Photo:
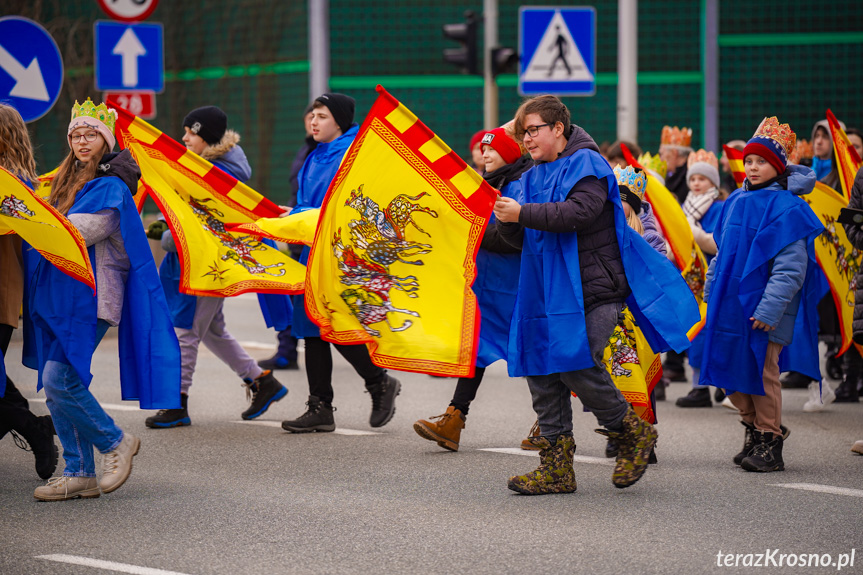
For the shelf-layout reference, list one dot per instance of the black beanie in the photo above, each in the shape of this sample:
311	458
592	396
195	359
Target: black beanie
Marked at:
341	107
208	122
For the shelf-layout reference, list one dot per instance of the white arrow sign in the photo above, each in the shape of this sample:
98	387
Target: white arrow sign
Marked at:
29	82
130	48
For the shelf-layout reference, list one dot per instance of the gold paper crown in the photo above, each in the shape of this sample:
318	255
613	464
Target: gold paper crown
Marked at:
681	137
653	163
780	133
702	156
634	181
107	116
804	150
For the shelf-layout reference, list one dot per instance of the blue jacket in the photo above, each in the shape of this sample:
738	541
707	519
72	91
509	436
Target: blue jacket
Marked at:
315	177
765	268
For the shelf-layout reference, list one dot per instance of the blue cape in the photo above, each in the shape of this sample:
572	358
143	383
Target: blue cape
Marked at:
315	178
548	333
708	224
496	287
754	227
61	316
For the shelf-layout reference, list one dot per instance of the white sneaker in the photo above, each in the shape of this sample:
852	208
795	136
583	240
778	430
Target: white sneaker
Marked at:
817	401
727	403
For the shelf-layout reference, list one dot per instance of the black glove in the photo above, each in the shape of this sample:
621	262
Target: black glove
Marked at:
156	229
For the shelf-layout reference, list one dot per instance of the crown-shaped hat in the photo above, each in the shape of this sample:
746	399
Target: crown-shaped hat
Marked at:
804	150
702	156
654	164
679	137
770	128
107	116
635	181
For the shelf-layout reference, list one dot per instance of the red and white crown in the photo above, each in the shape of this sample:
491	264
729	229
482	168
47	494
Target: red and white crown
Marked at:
780	133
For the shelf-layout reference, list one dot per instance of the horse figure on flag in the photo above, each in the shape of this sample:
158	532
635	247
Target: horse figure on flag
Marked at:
378	240
14	207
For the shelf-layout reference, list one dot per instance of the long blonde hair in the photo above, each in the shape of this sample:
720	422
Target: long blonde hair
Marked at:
16	152
73	175
635	222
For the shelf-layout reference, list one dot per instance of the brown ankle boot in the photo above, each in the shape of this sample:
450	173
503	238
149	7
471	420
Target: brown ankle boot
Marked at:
446	430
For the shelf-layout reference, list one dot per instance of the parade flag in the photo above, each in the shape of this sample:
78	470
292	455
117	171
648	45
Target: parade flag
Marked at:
847	159
295	228
838	259
735	161
23	212
46	180
198	199
688	257
394	255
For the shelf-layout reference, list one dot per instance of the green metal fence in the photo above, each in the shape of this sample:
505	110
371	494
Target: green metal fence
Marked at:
792	58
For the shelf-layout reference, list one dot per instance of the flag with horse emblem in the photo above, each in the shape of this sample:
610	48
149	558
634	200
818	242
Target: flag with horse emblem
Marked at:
199	200
23	212
394	255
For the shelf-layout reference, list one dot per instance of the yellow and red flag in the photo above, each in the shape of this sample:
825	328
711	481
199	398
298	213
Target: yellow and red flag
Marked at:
297	228
23	212
394	255
847	159
198	200
735	161
46	180
675	227
839	260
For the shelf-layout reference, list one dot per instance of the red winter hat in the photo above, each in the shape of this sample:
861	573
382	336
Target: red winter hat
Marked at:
475	139
502	144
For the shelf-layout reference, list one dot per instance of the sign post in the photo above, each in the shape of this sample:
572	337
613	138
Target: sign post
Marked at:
558	51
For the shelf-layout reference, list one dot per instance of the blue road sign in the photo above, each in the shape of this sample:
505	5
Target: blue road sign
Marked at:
31	69
129	56
558	51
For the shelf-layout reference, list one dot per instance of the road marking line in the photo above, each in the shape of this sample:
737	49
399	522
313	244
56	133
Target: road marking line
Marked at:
108	565
820	488
575	459
338	431
114	406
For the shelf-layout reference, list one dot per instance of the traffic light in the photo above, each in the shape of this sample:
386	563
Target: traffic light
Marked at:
464	33
502	60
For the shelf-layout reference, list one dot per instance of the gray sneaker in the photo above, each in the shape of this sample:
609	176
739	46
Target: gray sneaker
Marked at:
117	464
64	488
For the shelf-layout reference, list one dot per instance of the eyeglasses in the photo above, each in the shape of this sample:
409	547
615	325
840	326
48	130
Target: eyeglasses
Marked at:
533	131
89	137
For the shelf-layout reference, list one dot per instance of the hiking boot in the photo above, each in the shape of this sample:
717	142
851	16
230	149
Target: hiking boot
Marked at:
528	442
847	392
36	435
820	396
699	397
318	417
554	474
262	392
766	456
117	464
635	442
446	431
63	488
384	400
795	380
278	362
749	441
166	418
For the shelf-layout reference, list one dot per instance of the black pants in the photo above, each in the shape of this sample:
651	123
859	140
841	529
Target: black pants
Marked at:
14	409
465	390
319	366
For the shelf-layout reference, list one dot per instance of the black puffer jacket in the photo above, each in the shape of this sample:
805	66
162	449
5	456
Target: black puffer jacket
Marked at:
120	165
589	214
855	236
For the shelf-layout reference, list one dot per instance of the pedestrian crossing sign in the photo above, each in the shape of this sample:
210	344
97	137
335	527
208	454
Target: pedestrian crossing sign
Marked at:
558	51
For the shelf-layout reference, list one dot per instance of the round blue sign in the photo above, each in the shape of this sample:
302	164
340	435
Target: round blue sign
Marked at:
31	68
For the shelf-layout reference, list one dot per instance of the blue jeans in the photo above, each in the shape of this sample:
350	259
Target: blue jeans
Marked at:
552	400
80	421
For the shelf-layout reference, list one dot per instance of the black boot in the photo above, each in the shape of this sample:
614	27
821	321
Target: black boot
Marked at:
699	397
847	392
27	429
263	392
318	417
795	380
167	418
384	400
766	456
748	443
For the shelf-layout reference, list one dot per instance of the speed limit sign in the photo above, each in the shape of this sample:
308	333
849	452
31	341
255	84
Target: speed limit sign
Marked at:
128	10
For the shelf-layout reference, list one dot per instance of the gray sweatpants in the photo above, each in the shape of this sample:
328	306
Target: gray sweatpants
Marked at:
208	328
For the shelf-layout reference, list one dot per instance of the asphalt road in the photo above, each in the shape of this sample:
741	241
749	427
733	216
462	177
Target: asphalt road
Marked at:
228	497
